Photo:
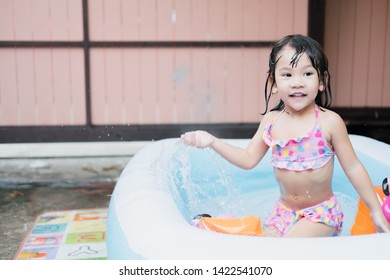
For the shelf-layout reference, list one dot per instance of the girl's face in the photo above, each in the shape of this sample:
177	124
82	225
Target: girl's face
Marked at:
296	84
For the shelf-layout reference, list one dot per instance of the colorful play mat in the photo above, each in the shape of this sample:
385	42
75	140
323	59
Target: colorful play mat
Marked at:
66	235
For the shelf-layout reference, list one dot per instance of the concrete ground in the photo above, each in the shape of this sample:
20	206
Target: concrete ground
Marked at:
36	178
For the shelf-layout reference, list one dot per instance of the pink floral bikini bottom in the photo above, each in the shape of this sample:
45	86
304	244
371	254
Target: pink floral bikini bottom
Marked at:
328	212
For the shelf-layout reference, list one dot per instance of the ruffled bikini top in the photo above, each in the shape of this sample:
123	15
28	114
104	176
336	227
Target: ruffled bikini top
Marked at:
301	153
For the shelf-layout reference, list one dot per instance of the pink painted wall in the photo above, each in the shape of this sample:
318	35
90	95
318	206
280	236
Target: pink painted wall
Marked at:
196	20
357	41
41	87
46	86
34	20
177	85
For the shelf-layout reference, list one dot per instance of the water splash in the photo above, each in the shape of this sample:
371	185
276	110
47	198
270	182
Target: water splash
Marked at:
196	187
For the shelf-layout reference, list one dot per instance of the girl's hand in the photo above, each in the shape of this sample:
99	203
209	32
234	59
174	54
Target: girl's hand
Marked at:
199	138
380	221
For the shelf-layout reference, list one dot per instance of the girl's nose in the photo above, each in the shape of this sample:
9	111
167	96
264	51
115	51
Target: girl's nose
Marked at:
297	81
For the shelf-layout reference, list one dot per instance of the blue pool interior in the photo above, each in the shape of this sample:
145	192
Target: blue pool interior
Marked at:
203	182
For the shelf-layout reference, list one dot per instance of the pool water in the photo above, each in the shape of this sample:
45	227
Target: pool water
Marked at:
203	182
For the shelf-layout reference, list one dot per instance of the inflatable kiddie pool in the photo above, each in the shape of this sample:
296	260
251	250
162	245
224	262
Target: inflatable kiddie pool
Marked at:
167	183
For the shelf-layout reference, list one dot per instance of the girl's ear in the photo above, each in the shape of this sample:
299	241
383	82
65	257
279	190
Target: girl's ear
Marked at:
321	86
274	89
323	82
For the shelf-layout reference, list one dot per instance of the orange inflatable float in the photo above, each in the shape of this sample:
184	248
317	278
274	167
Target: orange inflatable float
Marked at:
363	223
247	225
251	225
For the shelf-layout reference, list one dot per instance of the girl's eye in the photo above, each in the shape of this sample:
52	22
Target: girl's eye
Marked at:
309	74
286	75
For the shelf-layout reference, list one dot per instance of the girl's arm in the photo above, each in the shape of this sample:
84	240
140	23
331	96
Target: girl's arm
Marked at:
246	158
355	171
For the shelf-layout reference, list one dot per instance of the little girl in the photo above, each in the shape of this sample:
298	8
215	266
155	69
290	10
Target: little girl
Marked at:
304	136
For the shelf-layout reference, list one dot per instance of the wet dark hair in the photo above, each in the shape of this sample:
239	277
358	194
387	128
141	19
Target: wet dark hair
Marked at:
302	44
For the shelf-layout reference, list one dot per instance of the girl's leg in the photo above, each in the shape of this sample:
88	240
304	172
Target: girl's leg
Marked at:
305	228
271	231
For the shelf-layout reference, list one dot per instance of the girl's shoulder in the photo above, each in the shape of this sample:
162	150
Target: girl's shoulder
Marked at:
330	120
331	124
272	114
268	118
328	115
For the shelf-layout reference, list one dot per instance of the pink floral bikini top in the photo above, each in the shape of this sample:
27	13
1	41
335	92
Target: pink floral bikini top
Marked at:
301	153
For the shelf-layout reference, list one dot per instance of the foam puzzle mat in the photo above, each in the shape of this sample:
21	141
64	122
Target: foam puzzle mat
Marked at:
66	235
